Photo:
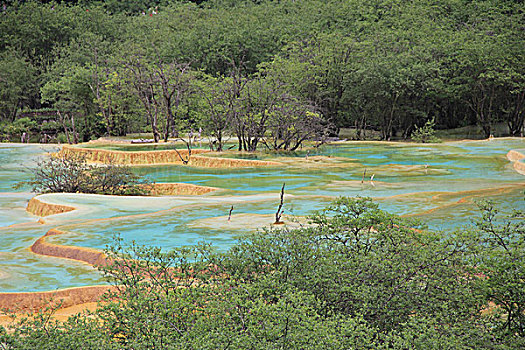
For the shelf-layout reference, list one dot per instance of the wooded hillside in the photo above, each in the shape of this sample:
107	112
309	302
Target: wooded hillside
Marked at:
260	69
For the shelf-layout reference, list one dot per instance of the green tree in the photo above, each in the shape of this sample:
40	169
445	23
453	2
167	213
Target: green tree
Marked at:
70	173
426	133
21	129
500	257
71	96
222	107
486	53
365	262
18	82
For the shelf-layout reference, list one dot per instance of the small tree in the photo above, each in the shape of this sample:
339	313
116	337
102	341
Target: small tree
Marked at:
222	106
499	254
426	133
15	130
70	173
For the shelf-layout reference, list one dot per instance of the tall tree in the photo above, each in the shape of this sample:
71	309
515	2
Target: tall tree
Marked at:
18	83
146	86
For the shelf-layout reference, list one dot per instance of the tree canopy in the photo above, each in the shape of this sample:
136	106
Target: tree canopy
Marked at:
389	66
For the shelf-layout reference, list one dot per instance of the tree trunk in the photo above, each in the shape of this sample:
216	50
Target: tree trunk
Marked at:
64	125
517	115
219	141
74	129
168	126
154	128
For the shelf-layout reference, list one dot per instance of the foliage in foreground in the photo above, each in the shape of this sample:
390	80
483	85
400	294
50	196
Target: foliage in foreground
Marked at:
70	173
359	278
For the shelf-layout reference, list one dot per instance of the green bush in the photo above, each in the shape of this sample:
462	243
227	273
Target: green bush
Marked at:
64	172
61	138
359	278
426	133
12	131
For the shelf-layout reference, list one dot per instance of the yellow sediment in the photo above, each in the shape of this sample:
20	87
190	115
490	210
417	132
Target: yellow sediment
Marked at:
516	157
61	314
161	157
213	162
519	167
467	197
71	300
361	183
95	257
42	209
66	298
180	189
129	158
39	208
87	255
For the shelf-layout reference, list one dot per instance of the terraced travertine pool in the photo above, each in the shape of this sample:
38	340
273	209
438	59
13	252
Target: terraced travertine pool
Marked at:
438	183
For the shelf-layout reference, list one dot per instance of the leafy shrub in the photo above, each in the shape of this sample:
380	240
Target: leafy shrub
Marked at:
426	133
62	172
500	257
359	278
61	138
12	131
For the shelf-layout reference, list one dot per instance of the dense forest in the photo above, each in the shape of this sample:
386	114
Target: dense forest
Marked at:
267	73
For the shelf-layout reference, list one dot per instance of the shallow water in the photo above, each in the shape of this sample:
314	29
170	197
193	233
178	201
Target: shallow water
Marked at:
436	183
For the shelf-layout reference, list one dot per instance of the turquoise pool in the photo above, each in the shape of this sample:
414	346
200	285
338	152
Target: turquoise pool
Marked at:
438	183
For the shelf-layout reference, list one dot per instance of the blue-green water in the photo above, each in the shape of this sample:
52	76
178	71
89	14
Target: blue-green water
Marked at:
437	183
